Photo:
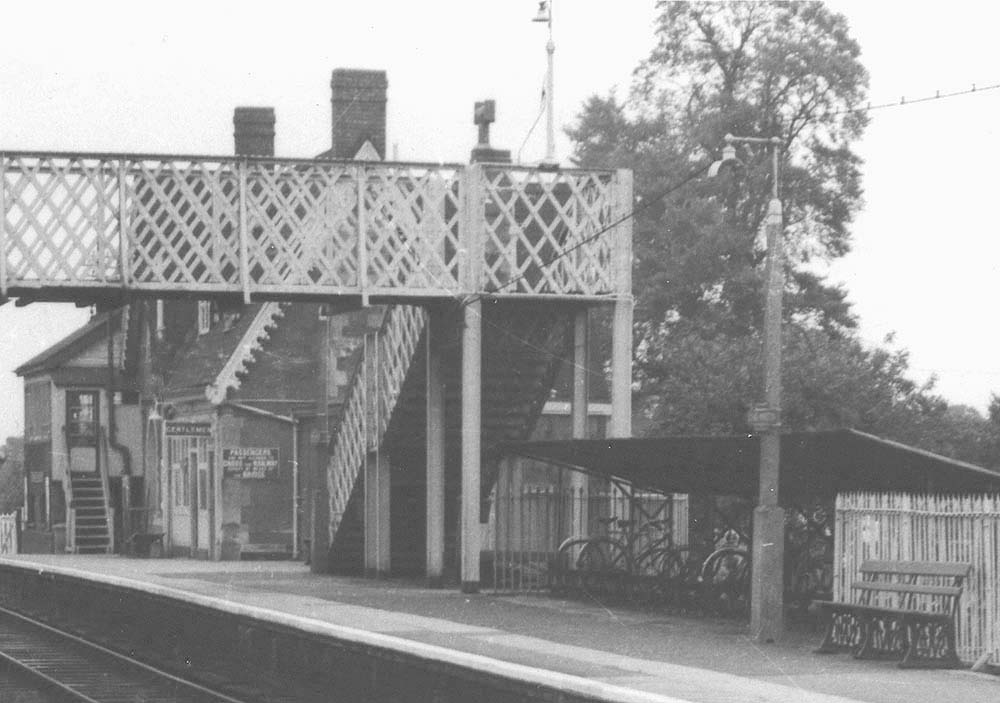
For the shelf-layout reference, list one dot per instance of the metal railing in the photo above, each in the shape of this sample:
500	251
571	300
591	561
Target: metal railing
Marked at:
528	524
275	228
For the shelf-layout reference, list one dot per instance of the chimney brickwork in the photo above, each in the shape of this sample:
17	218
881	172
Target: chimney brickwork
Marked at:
253	131
358	99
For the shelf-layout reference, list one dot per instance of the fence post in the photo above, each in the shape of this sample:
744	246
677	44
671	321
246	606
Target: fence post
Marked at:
3	227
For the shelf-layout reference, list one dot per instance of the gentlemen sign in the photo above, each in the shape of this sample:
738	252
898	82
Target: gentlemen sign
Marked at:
190	429
250	462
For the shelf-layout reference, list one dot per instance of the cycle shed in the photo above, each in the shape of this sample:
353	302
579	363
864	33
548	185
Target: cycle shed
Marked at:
720	472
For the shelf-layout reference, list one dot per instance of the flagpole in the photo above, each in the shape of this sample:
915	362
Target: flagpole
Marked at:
550	126
545	15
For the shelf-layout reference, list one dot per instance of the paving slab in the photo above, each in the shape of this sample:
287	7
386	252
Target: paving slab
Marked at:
648	655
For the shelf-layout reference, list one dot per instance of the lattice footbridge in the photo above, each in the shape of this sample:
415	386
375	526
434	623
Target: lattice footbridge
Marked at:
91	225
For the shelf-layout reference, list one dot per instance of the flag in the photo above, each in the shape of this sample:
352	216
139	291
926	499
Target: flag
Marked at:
544	12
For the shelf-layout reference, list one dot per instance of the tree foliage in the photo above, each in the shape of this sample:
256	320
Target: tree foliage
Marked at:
756	69
762	69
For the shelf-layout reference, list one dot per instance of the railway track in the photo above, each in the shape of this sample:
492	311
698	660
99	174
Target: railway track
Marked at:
37	659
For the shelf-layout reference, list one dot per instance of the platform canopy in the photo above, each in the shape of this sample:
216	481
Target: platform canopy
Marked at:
814	465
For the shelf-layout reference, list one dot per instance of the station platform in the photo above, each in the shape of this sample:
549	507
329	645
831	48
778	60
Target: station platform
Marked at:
607	653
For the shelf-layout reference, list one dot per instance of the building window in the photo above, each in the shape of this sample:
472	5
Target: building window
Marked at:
204	316
37	411
81	418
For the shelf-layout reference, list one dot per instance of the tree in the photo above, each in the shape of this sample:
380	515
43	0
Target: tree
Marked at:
705	383
787	69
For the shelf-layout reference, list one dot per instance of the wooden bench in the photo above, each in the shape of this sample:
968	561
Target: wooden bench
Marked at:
902	609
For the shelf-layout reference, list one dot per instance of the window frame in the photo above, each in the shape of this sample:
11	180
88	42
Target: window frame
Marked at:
75	437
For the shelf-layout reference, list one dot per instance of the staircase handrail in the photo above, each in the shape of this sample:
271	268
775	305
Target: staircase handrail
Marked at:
102	472
70	498
373	391
396	346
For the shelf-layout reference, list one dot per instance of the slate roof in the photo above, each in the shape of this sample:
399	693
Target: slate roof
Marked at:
200	360
70	345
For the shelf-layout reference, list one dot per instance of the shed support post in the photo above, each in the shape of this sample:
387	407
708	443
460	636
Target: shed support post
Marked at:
471	443
435	454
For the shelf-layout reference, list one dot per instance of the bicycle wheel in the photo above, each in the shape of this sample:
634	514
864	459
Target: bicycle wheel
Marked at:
725	581
679	576
563	573
602	566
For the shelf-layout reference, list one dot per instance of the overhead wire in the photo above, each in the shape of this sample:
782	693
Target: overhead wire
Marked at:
904	101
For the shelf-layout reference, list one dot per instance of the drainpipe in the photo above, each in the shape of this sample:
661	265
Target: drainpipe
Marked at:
295	488
293	421
123	451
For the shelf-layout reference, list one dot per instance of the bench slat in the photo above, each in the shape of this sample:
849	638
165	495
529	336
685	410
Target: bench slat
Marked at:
951	591
916	568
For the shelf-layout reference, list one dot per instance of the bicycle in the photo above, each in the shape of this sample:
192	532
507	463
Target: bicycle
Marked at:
602	560
808	557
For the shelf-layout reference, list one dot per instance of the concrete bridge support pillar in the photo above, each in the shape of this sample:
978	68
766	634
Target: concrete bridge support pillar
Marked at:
579	481
472	378
377	484
621	370
435	453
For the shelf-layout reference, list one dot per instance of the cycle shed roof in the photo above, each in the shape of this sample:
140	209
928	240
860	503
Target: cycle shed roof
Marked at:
813	464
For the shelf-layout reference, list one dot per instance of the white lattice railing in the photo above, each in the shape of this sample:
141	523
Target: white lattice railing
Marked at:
276	228
378	380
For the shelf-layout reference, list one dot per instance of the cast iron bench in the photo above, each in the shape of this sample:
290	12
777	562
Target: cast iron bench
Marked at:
904	609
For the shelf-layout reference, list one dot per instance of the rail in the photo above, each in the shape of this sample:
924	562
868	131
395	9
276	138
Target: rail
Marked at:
75	669
270	229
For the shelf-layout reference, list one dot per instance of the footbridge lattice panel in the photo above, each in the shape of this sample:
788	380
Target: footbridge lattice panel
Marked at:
275	229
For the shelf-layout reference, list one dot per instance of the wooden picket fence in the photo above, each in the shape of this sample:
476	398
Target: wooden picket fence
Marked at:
923	527
10	532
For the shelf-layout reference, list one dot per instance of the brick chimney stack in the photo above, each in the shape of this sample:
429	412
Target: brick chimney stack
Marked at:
253	131
358	99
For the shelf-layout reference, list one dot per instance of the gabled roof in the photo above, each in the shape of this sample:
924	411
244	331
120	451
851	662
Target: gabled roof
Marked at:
70	345
211	362
812	464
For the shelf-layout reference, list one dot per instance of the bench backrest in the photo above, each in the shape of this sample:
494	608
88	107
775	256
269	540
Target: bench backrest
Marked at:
952	569
912	585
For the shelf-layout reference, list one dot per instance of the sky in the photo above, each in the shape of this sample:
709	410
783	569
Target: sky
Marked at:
103	76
